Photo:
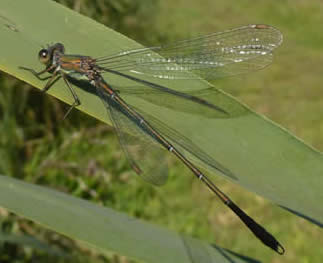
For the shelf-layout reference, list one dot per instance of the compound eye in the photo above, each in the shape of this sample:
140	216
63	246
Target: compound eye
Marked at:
43	56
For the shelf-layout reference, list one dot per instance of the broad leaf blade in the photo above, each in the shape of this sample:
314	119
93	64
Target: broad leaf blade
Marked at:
104	228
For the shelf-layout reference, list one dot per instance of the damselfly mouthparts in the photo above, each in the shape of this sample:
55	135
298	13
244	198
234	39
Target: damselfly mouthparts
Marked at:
231	52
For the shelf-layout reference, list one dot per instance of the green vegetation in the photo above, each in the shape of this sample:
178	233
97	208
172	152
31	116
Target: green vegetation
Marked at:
81	156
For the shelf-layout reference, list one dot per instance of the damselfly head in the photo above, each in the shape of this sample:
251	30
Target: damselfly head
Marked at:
45	55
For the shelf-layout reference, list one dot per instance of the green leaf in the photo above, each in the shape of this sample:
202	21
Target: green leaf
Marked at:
264	157
104	228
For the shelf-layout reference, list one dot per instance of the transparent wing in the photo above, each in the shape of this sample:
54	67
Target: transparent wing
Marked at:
175	103
185	145
226	53
150	87
144	154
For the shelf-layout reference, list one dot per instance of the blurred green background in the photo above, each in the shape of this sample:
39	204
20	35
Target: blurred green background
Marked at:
81	156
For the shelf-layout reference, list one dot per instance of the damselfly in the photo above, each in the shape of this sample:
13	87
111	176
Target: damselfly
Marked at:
231	52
